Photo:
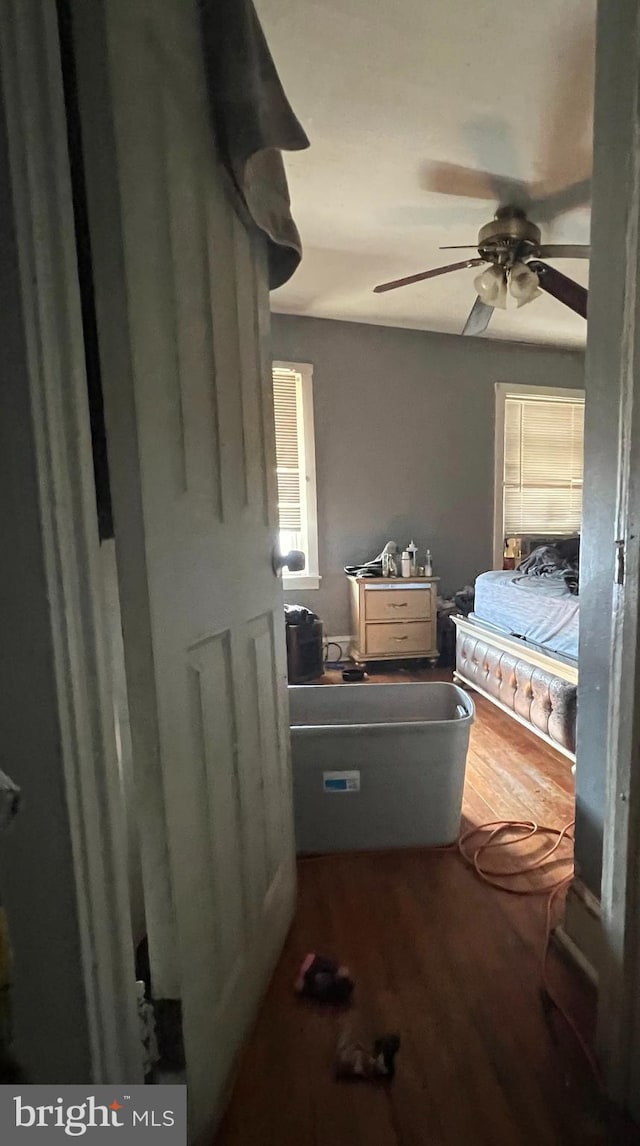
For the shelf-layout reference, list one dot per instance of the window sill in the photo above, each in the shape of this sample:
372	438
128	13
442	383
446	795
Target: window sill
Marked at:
304	581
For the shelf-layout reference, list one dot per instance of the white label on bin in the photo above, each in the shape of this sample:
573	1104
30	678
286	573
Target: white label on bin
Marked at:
341	781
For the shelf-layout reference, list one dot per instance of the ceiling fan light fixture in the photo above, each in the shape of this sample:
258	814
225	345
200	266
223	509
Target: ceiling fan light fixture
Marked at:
524	284
491	287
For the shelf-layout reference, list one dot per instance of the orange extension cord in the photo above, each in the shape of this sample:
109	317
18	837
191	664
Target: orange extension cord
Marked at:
496	877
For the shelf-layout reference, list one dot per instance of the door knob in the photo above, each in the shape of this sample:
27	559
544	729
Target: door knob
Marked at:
294	561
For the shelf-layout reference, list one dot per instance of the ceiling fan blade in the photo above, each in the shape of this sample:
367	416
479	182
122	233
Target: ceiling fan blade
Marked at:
567	291
565	251
461	247
454	179
545	208
479	318
427	275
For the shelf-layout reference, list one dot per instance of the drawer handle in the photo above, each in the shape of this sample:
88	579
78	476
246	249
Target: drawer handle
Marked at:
397	604
401	638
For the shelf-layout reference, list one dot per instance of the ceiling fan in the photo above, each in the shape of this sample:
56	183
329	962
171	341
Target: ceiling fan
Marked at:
510	245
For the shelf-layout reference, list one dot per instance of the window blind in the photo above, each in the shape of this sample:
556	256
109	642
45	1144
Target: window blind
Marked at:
543	464
287	401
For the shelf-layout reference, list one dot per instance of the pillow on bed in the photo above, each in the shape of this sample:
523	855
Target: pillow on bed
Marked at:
542	561
550	561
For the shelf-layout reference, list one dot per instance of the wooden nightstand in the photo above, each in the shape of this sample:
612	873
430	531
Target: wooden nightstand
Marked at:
394	618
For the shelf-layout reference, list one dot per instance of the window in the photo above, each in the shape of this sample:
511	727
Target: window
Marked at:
296	469
539	460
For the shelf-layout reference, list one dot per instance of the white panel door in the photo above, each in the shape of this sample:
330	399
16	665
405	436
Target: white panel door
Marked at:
183	329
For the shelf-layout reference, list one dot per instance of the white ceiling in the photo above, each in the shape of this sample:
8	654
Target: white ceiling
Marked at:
385	88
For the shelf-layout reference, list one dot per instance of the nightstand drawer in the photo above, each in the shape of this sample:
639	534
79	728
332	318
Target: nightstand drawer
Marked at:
402	639
398	604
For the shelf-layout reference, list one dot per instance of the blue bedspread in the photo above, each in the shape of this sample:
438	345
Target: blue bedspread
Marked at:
542	610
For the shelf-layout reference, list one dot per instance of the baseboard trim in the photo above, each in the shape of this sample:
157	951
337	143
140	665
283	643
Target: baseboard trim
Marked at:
580	934
575	954
344	642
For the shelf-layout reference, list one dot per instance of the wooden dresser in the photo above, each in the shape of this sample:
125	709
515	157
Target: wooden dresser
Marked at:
394	618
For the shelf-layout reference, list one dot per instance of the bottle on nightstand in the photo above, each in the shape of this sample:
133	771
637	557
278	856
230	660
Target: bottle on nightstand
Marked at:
412	549
428	565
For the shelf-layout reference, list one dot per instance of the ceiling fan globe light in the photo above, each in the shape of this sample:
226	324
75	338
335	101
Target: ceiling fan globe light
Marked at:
491	287
523	284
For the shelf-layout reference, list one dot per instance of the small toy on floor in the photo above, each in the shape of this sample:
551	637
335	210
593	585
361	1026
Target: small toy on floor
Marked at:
324	979
355	1061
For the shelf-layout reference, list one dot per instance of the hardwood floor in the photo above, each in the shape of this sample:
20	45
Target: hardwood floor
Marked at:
450	963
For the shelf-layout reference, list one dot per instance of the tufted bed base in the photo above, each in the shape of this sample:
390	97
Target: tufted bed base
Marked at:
538	689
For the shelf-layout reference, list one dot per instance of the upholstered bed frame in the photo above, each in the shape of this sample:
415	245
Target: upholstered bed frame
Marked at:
535	687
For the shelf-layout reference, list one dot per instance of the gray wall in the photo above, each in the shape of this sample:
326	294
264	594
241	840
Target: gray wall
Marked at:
404	427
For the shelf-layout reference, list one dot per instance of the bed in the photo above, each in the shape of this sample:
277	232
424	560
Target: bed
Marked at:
519	648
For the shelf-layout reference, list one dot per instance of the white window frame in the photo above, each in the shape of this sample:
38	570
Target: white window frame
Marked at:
310	578
502	390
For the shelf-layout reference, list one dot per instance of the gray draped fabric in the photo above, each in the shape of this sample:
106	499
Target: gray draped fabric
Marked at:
254	123
9	800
